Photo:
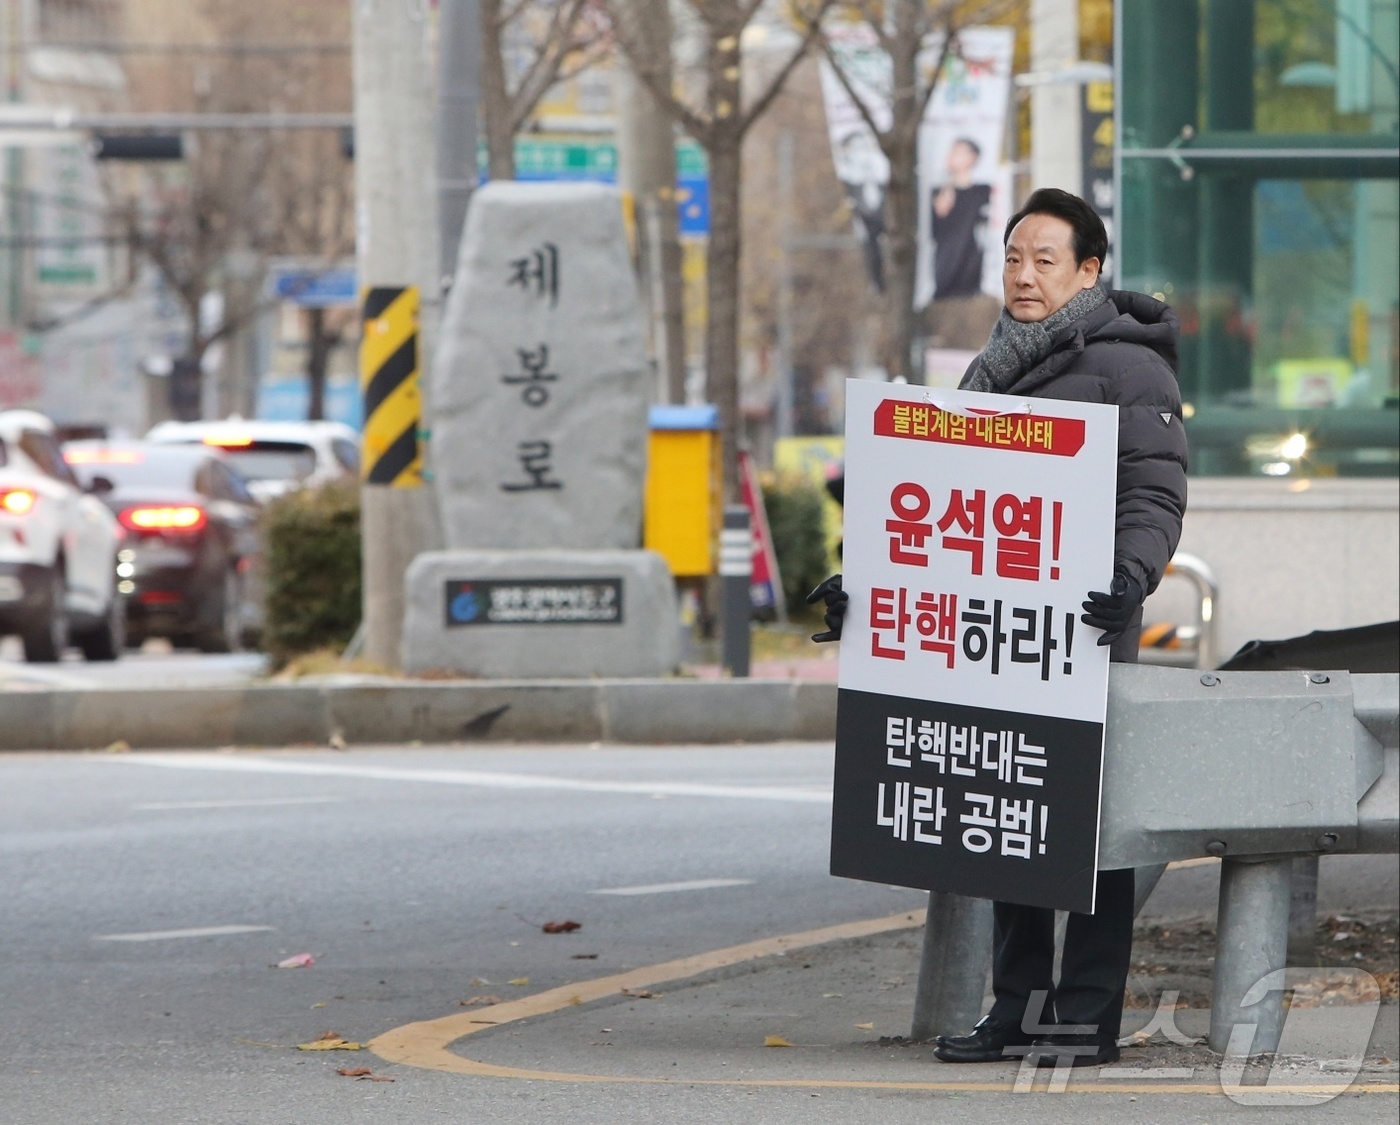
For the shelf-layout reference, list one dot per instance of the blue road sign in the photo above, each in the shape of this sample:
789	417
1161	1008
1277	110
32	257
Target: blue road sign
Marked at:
335	287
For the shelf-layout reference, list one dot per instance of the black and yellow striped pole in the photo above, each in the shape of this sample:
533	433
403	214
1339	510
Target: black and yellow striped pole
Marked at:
389	383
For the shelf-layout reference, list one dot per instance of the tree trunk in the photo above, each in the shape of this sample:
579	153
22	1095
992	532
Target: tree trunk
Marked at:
495	98
186	381
902	202
722	298
673	300
319	345
901	235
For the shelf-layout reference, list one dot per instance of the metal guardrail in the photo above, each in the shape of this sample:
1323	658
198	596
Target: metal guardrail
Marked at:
1252	767
1198	638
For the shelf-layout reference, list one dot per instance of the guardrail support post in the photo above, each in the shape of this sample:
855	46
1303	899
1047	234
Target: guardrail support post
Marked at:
1251	941
1302	912
953	968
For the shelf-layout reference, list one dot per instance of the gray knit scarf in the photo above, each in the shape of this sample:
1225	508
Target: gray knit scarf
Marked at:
1015	347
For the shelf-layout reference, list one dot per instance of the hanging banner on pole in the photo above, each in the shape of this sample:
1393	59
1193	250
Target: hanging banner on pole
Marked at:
765	584
861	165
971	699
964	180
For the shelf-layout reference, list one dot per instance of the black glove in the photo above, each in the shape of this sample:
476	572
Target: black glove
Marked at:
835	598
1113	612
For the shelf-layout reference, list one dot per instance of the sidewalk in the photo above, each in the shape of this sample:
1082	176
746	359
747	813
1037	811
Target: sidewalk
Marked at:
834	1016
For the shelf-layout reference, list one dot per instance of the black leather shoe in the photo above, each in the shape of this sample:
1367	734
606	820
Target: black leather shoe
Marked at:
1074	1050
985	1043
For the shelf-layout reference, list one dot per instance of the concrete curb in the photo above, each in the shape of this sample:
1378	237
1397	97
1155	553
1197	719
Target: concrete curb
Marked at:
637	711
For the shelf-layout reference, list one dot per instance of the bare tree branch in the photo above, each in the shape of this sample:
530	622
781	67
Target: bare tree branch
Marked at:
509	16
539	76
950	45
760	104
698	125
881	135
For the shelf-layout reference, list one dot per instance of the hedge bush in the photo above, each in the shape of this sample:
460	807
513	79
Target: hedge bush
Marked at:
799	540
312	543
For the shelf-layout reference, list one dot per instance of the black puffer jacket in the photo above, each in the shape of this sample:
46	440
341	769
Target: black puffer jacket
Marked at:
1124	353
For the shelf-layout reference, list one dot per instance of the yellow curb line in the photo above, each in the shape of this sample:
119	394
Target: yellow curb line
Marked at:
425	1044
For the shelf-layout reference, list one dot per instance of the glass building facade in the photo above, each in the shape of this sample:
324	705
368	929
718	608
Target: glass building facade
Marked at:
1257	157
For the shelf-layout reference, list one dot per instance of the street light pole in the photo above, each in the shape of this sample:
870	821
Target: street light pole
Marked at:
396	250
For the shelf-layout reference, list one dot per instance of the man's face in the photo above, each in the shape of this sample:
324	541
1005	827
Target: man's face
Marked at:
1040	275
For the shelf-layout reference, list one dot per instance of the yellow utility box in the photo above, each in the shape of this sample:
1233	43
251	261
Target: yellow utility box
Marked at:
683	508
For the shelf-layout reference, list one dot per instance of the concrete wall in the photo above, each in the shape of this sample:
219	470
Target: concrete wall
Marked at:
1290	556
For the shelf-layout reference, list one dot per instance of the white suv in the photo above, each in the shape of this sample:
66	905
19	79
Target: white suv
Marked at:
274	457
58	550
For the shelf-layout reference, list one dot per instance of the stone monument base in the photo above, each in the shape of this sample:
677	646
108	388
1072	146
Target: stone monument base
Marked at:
520	614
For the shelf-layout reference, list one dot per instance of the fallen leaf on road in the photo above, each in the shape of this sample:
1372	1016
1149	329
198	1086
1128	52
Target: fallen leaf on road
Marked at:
472	1001
121	746
866	1026
519	982
330	1041
575	1000
561	927
354	1071
775	1041
478	981
640	993
298	961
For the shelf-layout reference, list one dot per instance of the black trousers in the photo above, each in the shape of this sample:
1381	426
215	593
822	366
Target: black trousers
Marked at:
1093	970
1098	946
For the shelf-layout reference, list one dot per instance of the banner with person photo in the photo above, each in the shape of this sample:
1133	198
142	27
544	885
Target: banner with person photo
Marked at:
861	165
964	182
964	179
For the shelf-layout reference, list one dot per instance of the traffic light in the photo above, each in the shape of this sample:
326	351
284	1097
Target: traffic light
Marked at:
138	146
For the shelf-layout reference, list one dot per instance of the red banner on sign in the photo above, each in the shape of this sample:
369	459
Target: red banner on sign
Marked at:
1023	433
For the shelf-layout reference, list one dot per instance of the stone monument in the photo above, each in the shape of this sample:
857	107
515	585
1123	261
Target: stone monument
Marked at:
539	393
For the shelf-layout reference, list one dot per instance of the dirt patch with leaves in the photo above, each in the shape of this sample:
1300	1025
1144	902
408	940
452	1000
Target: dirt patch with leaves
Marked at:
1181	957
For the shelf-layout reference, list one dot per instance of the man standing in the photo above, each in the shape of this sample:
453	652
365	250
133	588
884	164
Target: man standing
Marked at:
1061	335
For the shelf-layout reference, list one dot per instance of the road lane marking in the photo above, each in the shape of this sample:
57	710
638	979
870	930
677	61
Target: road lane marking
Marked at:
199	931
250	803
668	888
426	1044
482	779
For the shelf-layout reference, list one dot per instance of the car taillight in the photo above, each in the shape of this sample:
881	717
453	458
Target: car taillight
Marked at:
184	518
17	501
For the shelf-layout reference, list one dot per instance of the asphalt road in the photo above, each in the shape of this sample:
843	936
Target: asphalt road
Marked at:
147	897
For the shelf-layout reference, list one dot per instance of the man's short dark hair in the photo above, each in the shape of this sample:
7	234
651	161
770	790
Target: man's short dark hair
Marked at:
976	148
1089	239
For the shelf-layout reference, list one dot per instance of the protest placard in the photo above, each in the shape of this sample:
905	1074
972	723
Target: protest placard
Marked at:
970	716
